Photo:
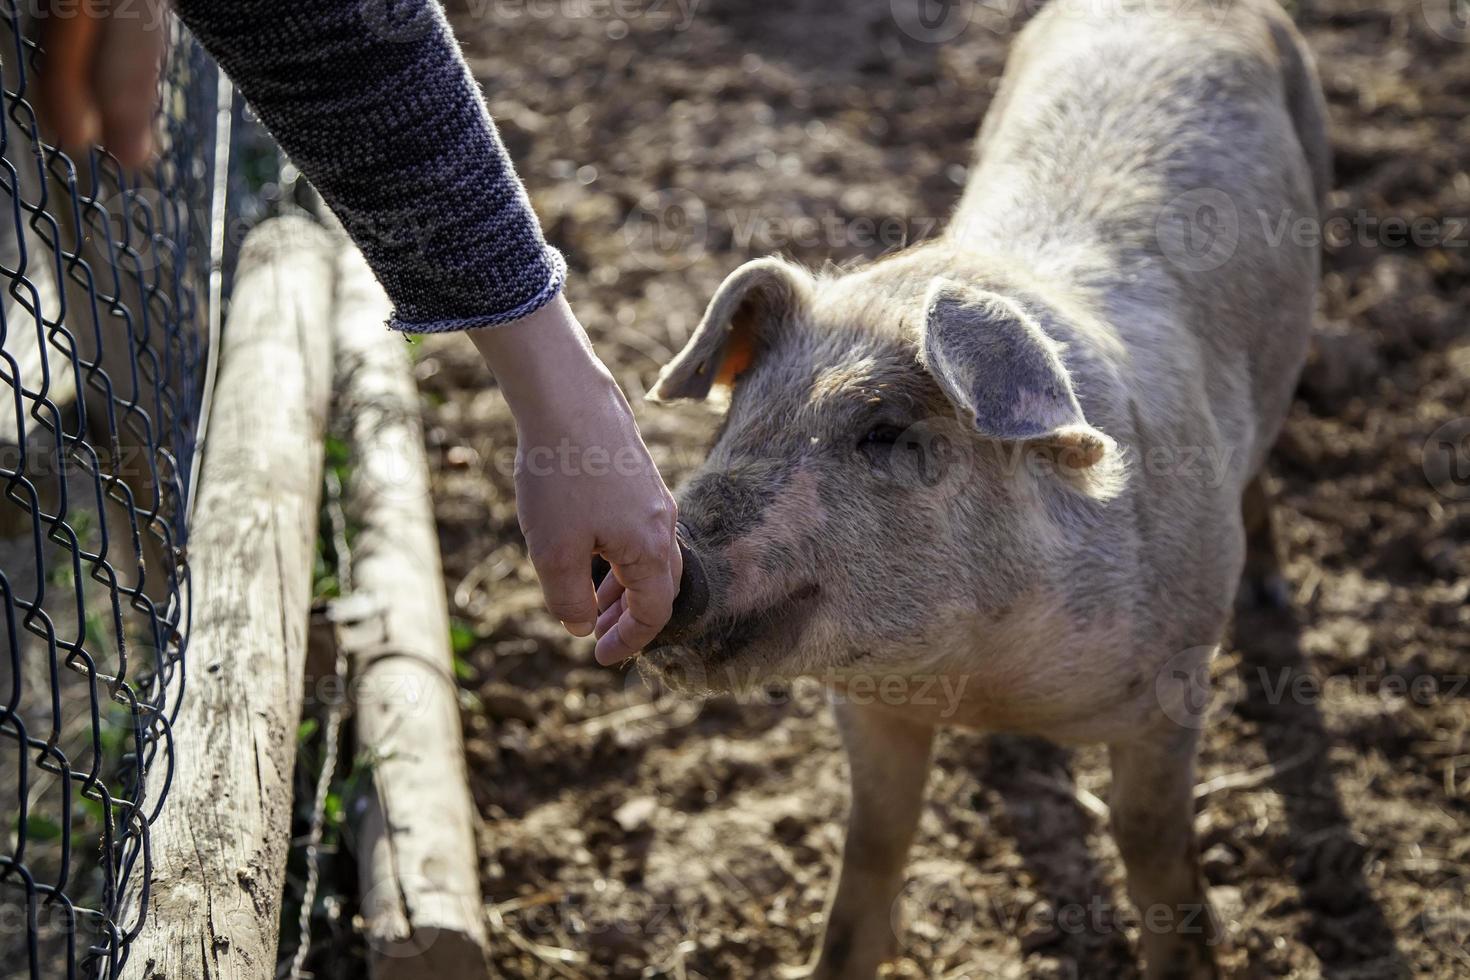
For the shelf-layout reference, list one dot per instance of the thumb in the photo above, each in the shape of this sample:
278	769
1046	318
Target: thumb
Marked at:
126	82
566	584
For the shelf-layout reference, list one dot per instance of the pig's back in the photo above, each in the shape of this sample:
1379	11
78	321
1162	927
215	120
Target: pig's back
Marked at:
1151	162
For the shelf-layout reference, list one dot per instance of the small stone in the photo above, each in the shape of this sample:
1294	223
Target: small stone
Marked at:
1229	904
635	813
1044	967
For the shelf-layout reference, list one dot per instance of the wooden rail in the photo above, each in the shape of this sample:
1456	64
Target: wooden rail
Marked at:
219	846
306	309
416	853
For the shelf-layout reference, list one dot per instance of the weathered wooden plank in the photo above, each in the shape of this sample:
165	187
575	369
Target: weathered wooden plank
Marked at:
219	847
417	856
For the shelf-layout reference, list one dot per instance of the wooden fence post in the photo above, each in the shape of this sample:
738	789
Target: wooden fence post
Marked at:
219	846
417	857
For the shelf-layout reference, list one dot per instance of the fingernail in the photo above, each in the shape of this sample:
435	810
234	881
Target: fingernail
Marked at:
578	629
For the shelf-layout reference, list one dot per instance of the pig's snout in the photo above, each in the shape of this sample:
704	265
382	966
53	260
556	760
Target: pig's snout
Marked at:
691	602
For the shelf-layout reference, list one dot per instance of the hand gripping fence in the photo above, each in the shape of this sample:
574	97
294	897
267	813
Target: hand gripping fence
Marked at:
110	294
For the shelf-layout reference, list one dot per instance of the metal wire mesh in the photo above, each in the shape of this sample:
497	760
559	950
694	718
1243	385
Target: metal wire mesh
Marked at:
106	304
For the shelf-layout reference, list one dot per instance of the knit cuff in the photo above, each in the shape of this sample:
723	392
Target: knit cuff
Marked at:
556	279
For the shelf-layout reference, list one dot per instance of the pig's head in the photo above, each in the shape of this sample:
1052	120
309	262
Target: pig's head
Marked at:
873	497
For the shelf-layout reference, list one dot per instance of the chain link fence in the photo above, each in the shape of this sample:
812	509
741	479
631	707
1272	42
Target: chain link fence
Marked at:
111	294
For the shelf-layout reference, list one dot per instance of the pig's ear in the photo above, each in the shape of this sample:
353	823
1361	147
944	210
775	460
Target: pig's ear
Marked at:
729	338
1000	368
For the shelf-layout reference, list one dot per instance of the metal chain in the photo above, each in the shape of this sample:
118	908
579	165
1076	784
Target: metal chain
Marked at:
331	733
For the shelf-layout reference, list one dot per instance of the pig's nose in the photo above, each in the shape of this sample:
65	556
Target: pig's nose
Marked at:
689	604
693	597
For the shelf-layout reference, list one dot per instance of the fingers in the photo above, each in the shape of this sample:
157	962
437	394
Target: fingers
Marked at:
99	79
645	605
566	587
616	506
609	591
68	107
609	617
128	64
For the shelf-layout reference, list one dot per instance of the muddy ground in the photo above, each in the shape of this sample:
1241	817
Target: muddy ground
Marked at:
629	834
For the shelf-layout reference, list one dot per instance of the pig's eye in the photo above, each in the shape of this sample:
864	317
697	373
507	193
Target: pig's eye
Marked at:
881	436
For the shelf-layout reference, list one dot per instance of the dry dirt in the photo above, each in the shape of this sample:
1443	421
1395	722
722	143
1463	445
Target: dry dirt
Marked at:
630	834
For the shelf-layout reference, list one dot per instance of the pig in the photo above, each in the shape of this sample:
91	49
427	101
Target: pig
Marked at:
969	460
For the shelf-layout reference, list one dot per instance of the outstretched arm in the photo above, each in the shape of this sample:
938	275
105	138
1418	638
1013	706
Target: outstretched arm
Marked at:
372	100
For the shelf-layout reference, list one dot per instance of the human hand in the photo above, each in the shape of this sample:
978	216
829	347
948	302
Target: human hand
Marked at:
585	484
99	75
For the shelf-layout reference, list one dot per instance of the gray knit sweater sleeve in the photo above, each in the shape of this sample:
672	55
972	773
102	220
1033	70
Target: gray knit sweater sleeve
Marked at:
373	101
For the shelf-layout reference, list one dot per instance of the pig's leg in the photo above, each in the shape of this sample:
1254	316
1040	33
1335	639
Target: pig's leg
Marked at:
1262	586
889	759
1153	822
